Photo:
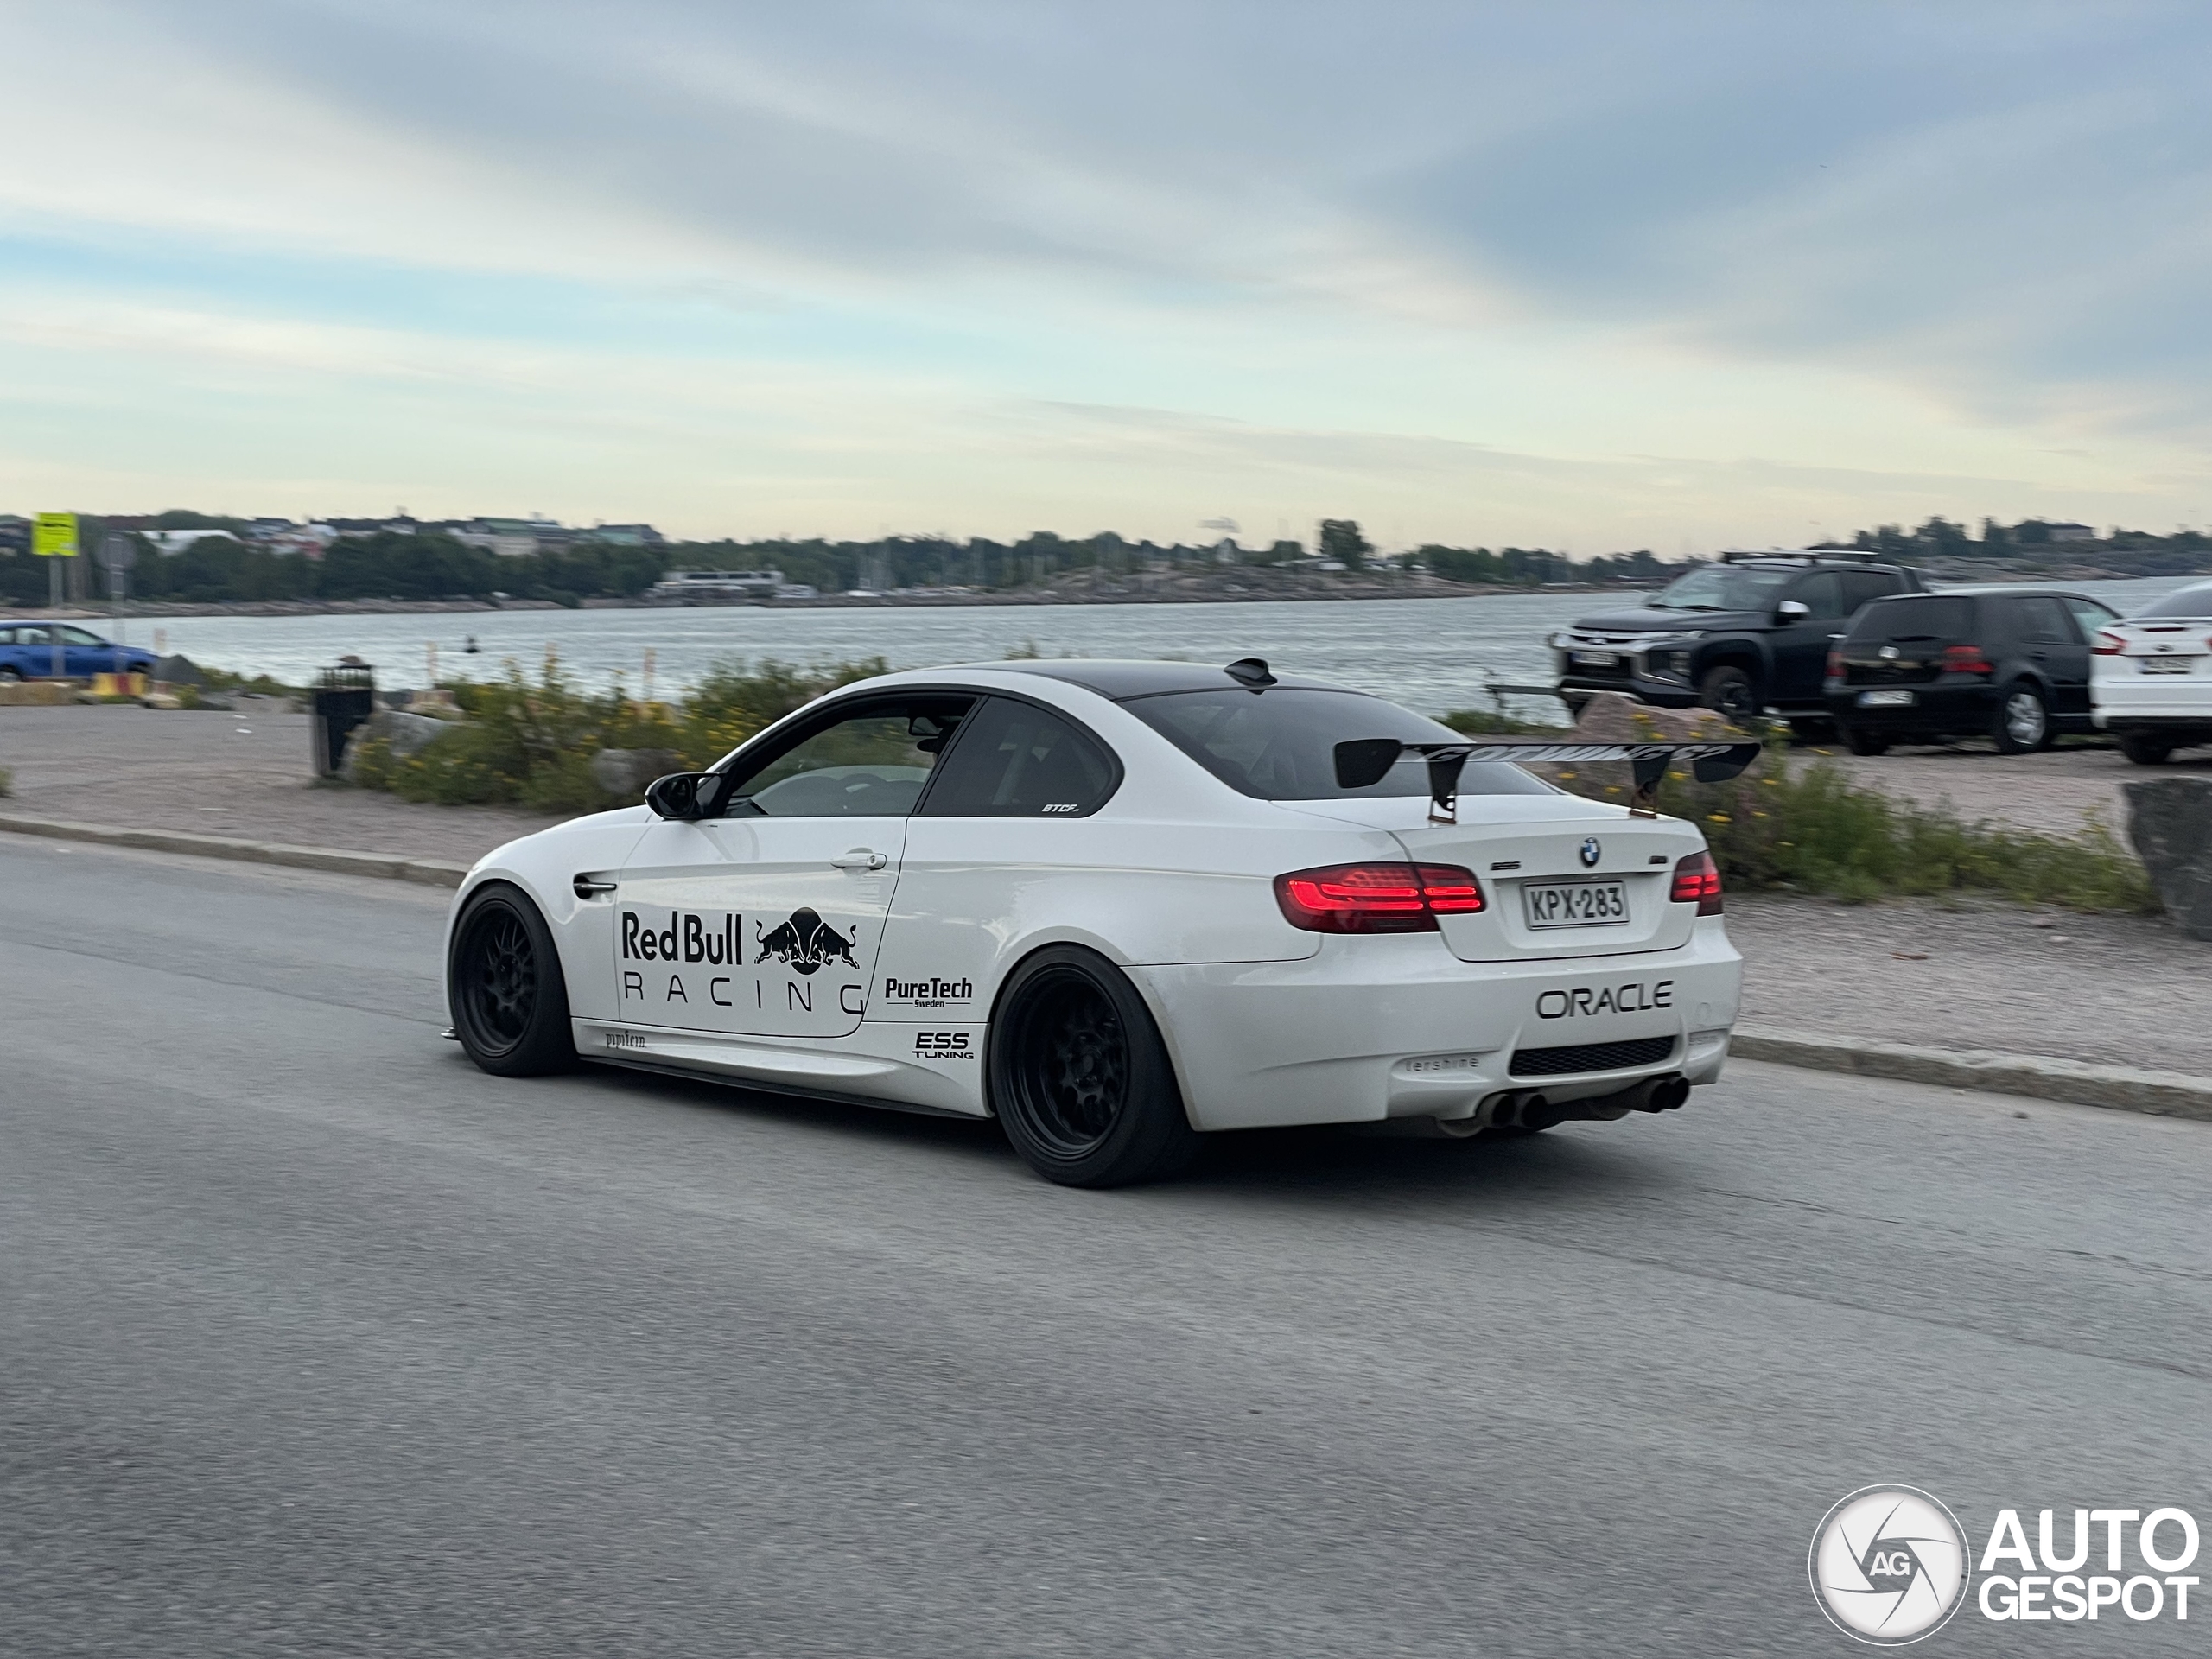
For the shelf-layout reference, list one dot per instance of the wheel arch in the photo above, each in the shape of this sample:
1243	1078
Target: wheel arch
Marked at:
1122	962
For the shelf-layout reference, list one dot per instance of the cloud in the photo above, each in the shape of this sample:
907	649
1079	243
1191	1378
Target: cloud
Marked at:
1894	250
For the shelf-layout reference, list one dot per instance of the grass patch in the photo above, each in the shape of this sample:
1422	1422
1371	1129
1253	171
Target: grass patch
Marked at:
525	742
1496	722
7	783
1800	826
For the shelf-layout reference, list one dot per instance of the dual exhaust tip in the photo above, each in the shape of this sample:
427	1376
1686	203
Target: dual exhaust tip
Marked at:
1527	1109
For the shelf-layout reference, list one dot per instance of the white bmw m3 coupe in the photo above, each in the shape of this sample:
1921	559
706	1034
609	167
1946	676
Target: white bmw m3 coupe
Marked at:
1118	906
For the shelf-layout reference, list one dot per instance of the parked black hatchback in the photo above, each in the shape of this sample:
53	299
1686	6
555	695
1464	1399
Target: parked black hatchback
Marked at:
2010	666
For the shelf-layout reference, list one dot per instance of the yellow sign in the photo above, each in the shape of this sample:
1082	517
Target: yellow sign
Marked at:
53	535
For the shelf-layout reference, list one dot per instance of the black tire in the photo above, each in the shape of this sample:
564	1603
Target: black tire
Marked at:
2145	751
1731	691
1813	731
504	988
1078	1075
2021	723
9	676
1859	740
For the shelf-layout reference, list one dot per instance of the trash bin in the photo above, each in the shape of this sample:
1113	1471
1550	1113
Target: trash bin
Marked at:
344	696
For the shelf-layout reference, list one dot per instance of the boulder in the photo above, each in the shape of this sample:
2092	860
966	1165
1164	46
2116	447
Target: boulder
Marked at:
402	735
2170	820
1609	717
177	671
624	773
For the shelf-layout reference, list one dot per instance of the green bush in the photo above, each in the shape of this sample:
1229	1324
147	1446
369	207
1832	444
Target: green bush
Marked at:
530	743
7	783
1807	827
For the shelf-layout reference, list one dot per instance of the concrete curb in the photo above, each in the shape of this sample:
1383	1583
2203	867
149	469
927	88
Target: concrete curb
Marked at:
430	872
2164	1094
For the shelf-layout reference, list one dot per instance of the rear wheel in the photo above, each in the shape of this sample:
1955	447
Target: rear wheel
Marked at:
1859	740
9	676
1079	1077
1729	689
2022	723
504	987
2145	751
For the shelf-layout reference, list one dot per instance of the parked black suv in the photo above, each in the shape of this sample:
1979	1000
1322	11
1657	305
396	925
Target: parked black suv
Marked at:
2009	665
1749	633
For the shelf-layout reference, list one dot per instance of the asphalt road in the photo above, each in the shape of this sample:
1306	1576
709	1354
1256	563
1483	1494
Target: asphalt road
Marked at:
313	1340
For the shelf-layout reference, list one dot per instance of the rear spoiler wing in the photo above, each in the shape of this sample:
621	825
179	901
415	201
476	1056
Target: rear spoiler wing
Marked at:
1365	760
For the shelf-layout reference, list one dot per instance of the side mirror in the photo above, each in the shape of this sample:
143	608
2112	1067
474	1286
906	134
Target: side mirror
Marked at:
688	795
1792	610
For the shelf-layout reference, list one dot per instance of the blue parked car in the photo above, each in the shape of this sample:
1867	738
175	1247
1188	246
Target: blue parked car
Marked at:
26	653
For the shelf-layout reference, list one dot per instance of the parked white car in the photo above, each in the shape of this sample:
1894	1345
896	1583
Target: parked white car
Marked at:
2151	676
1117	905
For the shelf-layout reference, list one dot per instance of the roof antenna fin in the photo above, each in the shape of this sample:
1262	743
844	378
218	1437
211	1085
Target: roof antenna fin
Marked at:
1251	673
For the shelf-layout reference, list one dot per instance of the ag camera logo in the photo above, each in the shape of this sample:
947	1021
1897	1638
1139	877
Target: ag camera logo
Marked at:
1889	1565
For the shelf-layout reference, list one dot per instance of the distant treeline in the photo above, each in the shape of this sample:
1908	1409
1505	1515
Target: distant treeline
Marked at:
2124	552
428	566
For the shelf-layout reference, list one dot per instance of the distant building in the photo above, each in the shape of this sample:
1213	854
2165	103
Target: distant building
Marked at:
623	535
170	542
2072	532
515	538
14	535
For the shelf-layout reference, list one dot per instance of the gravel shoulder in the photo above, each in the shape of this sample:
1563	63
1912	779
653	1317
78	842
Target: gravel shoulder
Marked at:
2054	793
2113	990
246	774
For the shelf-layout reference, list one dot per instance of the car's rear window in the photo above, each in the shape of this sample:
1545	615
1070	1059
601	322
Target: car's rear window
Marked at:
1923	618
2191	602
1280	745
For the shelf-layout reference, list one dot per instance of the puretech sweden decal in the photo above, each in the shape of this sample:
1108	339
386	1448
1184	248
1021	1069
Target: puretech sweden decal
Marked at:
805	942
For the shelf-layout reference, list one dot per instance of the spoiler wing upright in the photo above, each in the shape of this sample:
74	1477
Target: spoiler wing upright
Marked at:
1361	761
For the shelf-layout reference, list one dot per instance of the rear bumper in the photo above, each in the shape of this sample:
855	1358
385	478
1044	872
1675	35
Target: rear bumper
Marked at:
1368	1028
2138	707
1936	708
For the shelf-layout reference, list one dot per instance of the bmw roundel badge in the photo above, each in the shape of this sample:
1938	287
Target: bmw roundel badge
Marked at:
1590	853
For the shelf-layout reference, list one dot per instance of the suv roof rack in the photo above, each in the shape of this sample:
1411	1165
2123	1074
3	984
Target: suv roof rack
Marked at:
1807	556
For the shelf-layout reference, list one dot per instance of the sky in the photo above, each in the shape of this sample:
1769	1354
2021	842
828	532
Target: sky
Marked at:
1594	277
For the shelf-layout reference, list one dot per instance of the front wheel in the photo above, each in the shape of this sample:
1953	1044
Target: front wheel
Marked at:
1729	689
1859	740
2022	723
1079	1077
503	985
2145	751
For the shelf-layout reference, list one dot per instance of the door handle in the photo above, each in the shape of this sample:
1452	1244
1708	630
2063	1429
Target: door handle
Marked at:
859	859
591	887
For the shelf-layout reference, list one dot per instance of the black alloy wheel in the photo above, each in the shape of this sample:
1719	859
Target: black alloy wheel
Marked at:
2145	751
1859	740
1079	1077
503	985
2022	722
1729	689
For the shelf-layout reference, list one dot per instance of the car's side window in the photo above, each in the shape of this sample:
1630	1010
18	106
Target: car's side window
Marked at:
1822	594
1862	587
2091	616
2040	621
80	637
871	761
1017	760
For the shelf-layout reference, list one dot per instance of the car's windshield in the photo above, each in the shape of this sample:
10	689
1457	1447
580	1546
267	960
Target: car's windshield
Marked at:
2193	601
1281	744
1724	587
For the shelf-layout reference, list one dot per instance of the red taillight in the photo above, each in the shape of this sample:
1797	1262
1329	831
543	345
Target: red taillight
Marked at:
1697	882
2108	645
1966	659
1376	898
1835	664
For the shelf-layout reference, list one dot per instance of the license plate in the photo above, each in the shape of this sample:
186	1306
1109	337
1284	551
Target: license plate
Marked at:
1598	658
2164	665
1884	699
1576	904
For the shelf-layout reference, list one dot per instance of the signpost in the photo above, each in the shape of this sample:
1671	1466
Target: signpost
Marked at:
53	535
117	556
